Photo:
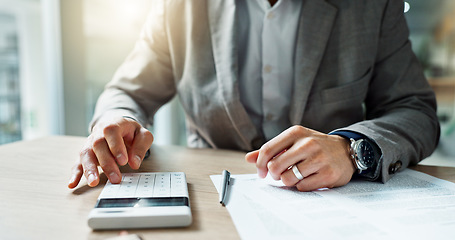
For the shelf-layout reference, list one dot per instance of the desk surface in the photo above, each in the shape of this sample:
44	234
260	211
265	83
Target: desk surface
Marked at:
36	204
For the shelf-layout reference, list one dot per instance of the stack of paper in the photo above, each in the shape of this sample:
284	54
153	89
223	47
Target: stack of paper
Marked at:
411	205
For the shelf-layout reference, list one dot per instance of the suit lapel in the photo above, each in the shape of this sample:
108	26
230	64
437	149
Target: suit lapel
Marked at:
222	22
316	22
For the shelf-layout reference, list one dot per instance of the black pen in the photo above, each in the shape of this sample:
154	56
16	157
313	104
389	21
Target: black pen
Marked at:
225	180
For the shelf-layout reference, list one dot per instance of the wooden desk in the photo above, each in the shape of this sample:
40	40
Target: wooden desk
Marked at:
36	203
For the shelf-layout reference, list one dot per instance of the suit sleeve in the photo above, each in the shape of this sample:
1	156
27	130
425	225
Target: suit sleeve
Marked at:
400	104
144	82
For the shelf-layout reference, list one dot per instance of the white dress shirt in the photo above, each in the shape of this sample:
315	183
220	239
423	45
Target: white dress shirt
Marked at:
266	47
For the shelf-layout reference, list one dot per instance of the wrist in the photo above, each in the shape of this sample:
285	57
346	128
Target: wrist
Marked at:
345	145
363	152
348	155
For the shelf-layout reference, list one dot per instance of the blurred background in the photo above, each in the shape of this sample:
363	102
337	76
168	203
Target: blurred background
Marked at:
57	55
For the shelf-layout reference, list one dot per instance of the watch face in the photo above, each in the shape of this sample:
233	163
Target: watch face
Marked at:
365	153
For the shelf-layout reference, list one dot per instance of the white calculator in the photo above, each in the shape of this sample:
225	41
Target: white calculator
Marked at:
143	200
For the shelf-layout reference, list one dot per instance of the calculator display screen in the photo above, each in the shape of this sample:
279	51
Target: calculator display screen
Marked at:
142	202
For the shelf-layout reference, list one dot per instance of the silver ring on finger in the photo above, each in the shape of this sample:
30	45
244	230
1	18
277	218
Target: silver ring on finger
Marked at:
297	173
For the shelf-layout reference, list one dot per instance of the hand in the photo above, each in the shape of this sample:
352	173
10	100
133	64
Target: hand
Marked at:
323	160
117	142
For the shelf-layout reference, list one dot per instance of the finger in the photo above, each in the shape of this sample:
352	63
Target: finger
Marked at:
267	152
106	160
314	182
76	175
114	138
142	142
89	164
322	176
304	148
252	157
284	160
283	141
289	178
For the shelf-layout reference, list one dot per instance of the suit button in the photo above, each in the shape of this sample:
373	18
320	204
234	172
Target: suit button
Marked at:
267	69
395	167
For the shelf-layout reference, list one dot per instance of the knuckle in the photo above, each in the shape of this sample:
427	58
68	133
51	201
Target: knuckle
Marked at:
85	152
106	164
115	151
274	168
310	142
266	150
300	147
301	187
297	130
111	129
129	122
287	181
88	170
148	136
98	142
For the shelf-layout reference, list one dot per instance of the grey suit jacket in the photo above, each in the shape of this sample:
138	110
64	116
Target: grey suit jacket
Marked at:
354	70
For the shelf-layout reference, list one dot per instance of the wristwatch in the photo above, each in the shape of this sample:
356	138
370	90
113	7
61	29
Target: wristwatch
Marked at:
362	154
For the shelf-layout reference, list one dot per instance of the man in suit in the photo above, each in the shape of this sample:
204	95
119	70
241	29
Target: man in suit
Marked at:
317	91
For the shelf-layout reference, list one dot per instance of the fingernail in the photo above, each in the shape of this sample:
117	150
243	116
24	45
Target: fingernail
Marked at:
114	177
91	178
121	159
138	160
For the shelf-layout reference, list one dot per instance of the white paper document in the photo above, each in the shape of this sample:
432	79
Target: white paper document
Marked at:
411	205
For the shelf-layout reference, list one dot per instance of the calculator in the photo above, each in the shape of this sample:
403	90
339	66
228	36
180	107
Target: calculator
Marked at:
143	200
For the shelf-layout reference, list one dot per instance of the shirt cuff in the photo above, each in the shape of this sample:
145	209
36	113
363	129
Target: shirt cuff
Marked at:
348	134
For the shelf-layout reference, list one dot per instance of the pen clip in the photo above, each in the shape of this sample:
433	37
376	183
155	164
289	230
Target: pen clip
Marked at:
228	182
225	182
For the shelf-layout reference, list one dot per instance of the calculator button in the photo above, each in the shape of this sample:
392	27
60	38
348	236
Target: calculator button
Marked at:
145	186
128	186
162	185
110	190
178	185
